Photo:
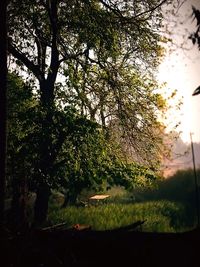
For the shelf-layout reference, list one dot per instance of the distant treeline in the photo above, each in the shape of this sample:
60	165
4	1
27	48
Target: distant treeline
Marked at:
182	157
178	188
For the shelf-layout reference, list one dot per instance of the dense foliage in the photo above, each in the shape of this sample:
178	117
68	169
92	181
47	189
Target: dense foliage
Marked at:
83	157
92	66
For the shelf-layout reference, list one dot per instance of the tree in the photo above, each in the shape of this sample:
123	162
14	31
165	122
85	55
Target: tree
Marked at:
126	105
84	161
93	163
21	118
73	38
3	105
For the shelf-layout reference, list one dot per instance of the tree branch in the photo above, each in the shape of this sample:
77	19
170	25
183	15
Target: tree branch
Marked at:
54	65
118	13
21	57
151	9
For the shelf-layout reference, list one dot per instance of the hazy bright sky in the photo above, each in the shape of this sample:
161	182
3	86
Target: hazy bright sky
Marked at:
181	70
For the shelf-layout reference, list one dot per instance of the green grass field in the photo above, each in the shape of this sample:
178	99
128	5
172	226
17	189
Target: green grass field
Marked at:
169	207
159	216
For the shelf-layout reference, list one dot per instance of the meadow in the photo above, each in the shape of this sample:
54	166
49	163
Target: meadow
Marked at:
159	216
168	207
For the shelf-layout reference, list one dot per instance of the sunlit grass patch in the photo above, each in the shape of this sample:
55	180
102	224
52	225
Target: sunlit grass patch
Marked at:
159	216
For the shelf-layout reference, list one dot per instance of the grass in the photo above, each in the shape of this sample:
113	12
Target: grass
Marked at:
180	189
170	207
159	216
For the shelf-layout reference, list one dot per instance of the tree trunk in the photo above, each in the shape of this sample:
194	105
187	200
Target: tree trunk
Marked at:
14	213
70	199
18	215
45	151
3	106
41	204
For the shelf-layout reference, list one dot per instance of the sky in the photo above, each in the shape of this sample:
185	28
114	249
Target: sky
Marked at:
180	70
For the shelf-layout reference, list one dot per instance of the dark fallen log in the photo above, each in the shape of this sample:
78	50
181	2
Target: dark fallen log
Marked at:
54	227
81	227
129	227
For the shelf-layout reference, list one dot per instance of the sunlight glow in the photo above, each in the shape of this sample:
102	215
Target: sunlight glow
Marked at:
180	71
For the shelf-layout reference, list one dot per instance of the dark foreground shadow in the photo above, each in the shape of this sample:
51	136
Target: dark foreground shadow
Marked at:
59	248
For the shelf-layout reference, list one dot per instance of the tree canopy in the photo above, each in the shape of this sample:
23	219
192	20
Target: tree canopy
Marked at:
106	52
97	58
